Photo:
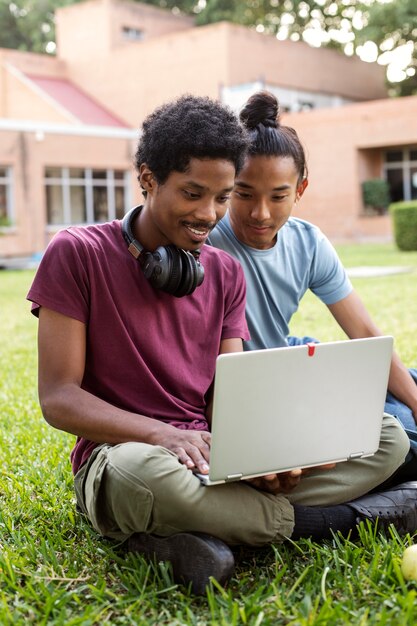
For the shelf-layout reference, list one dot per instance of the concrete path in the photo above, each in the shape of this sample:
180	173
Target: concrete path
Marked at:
369	271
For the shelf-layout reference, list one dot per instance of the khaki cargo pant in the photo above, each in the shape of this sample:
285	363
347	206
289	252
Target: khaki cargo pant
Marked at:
136	487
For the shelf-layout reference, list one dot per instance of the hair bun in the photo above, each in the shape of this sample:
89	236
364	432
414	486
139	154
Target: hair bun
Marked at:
261	108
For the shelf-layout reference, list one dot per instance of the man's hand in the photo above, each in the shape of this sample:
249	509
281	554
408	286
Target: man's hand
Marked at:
277	483
191	446
286	481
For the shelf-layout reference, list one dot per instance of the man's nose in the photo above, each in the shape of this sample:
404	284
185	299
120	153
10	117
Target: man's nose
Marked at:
208	211
260	211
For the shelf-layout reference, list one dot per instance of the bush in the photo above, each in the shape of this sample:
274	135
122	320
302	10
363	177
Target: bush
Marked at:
375	193
404	217
4	221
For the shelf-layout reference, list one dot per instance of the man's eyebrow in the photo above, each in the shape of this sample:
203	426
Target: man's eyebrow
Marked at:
246	186
198	187
192	183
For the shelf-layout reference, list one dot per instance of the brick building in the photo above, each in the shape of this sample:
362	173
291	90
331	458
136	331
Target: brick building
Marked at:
69	123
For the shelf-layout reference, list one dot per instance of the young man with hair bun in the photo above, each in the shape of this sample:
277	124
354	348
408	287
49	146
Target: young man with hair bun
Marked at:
132	316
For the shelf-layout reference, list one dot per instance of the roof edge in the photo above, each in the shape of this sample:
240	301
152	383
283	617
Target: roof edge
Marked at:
87	130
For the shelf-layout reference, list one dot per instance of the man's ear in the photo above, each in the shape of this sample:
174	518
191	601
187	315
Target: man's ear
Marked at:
301	188
147	179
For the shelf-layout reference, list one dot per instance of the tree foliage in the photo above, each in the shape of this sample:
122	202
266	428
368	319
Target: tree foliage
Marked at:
342	24
391	25
29	24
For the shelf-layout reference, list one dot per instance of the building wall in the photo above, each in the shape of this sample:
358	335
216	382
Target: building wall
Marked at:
77	24
13	62
22	96
33	63
297	65
152	21
83	30
28	153
132	78
344	147
156	71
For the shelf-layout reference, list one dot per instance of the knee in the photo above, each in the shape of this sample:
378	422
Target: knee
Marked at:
154	468
394	437
135	460
128	489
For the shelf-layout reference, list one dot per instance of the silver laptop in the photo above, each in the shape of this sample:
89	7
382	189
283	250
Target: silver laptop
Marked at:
285	408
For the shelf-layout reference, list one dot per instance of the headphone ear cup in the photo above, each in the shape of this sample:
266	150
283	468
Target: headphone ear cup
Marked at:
192	274
199	271
163	268
172	270
175	270
187	284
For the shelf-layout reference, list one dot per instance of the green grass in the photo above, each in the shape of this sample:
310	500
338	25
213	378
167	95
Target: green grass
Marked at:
381	254
55	570
391	300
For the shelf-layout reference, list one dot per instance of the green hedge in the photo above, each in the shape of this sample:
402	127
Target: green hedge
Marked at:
375	193
404	218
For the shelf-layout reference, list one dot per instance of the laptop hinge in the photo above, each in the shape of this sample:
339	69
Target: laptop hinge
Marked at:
232	477
356	455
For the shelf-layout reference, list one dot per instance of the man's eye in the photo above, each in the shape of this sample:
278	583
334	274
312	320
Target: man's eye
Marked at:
242	194
224	199
191	194
279	198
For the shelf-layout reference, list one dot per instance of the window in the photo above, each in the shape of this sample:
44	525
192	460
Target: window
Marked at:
395	180
132	34
85	196
6	217
304	105
400	170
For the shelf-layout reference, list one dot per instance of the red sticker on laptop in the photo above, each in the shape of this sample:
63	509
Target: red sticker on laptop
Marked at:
311	348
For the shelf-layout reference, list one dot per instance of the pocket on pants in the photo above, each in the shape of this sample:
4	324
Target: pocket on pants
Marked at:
94	504
117	502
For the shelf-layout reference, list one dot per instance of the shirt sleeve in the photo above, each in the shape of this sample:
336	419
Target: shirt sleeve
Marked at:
234	321
61	282
329	280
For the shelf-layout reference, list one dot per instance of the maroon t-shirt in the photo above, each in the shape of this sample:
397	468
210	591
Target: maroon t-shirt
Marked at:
147	351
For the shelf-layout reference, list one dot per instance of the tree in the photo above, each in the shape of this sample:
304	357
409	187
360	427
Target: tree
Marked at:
391	26
29	24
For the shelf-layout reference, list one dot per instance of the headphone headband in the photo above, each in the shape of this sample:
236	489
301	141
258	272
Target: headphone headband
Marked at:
133	244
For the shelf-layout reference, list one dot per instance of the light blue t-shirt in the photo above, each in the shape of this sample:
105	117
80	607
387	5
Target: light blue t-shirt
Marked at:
277	278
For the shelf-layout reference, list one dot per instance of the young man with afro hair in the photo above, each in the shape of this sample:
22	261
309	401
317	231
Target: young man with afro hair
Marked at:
132	316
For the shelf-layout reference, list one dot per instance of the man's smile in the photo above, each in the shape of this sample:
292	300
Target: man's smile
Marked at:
199	232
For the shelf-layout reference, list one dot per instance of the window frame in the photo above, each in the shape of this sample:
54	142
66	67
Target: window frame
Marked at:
406	164
7	181
132	33
88	182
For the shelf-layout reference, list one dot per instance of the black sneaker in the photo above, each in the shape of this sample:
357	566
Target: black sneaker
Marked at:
194	557
396	506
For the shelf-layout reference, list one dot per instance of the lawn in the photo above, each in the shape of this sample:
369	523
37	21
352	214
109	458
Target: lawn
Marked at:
55	570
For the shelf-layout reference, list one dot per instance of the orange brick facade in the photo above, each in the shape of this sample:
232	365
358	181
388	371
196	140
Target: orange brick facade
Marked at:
345	146
123	59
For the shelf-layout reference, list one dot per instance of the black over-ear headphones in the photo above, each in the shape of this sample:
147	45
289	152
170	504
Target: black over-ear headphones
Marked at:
168	268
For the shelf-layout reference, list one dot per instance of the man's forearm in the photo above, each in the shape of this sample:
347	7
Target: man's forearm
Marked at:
80	413
76	411
401	384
